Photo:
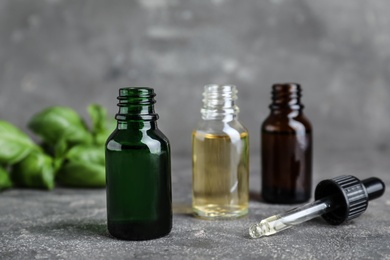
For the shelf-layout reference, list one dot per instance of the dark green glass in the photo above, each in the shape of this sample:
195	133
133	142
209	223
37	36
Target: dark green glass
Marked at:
138	170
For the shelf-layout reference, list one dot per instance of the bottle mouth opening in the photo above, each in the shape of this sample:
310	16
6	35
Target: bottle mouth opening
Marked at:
220	88
286	87
136	104
219	101
136	96
214	92
136	92
286	96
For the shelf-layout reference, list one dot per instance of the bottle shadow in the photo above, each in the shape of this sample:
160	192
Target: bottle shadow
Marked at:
73	228
255	196
91	228
182	209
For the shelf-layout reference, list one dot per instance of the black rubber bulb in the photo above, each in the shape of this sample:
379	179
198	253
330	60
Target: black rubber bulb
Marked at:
350	195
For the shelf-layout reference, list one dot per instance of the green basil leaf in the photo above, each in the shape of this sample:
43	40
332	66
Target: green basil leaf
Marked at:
15	145
82	175
102	127
101	137
111	125
58	123
5	181
60	150
87	154
35	171
98	116
84	167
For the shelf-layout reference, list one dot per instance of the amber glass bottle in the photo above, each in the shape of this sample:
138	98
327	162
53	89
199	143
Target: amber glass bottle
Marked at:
286	148
138	170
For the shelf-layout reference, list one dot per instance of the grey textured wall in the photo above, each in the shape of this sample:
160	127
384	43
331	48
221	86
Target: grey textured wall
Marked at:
57	52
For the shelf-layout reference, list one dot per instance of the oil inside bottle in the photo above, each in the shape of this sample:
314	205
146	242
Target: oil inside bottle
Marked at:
220	175
286	167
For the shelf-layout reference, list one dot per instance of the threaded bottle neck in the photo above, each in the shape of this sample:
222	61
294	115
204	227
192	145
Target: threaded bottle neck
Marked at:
219	102
136	104
286	96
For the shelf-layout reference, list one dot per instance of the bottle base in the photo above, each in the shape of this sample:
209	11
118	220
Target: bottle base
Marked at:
218	212
135	231
283	196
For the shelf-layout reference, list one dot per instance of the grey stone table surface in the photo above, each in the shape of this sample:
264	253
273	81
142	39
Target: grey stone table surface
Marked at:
71	223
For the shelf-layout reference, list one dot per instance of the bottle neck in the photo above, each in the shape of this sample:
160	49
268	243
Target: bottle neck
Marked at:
136	108
219	103
286	98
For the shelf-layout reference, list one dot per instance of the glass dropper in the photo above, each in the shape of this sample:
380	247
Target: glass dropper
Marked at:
337	200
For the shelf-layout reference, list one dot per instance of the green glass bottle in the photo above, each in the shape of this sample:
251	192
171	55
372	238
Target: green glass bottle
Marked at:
138	170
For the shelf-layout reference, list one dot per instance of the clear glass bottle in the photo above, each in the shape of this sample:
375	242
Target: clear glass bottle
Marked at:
220	157
286	148
138	170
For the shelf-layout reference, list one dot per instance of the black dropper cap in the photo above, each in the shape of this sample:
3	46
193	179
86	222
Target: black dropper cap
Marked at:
350	195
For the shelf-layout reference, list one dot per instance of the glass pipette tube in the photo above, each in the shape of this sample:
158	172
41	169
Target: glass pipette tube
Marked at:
345	193
279	222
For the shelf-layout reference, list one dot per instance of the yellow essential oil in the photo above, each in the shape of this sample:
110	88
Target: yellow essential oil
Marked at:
220	166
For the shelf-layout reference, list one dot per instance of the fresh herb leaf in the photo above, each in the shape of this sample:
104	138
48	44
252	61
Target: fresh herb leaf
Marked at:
15	145
84	167
35	171
101	127
98	116
5	181
56	124
87	154
82	174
